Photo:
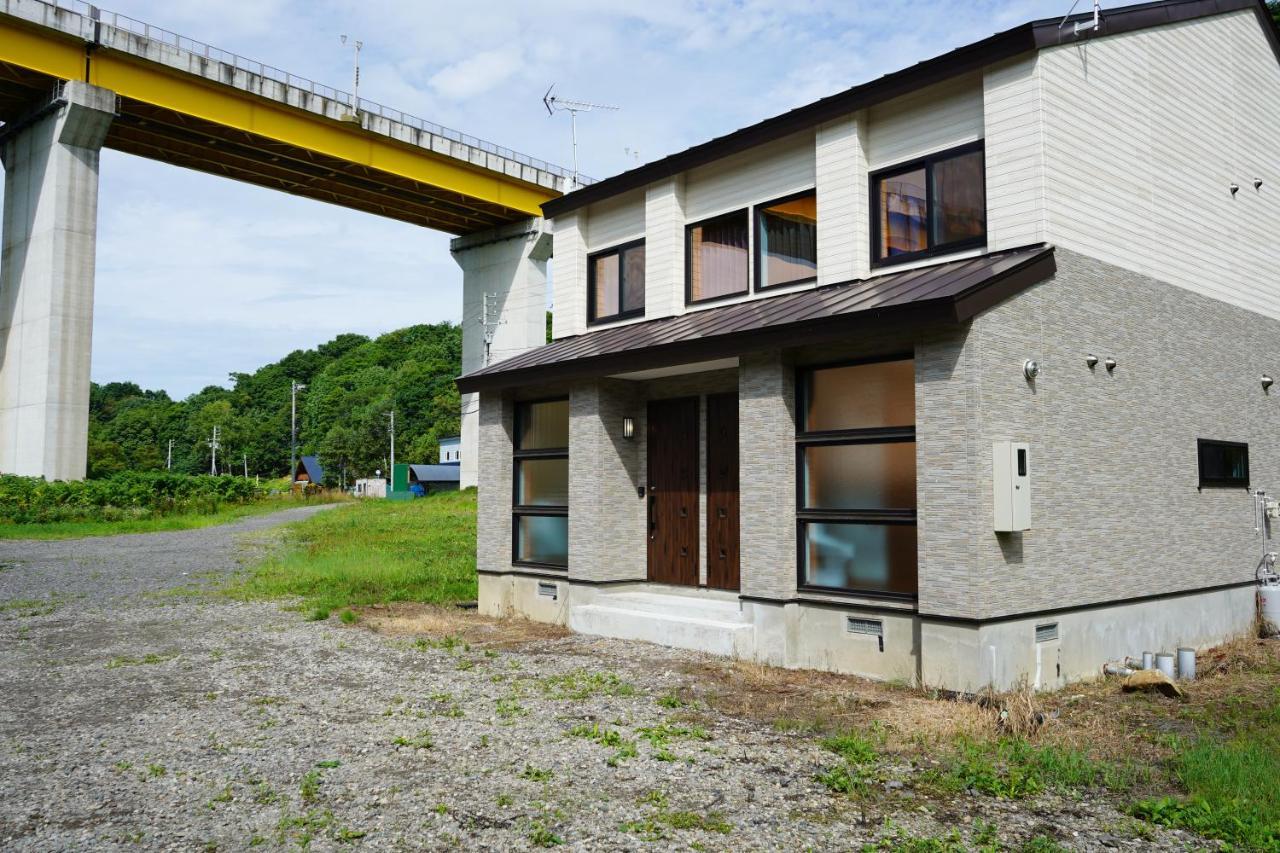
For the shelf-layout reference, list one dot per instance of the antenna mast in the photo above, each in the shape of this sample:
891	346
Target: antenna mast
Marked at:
355	80
555	102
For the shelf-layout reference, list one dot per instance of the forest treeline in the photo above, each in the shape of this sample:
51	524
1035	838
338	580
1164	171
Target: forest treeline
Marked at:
352	382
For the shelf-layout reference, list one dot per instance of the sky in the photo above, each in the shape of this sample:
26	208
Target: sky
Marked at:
199	277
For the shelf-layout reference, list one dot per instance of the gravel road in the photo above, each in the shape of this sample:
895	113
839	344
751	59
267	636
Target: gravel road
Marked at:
139	710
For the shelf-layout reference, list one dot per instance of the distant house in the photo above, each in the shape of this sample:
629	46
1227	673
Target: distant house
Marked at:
309	471
433	478
371	487
451	450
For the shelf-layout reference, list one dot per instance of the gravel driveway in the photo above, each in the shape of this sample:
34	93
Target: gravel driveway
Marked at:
138	711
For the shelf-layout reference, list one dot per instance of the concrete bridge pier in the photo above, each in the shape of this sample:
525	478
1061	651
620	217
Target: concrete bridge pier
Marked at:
504	305
46	281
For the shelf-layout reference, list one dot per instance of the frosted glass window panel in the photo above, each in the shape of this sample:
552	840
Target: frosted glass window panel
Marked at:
542	482
872	557
543	539
606	271
633	279
861	396
959	199
718	264
904	214
789	241
860	476
544	426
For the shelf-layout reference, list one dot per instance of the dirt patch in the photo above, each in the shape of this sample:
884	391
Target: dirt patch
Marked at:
409	619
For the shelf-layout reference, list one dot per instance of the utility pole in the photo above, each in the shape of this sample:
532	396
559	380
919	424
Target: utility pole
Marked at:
168	462
213	449
246	466
392	429
294	388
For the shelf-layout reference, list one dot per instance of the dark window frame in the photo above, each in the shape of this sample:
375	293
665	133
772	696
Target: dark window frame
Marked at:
519	510
744	212
927	163
865	435
618	250
758	223
1221	482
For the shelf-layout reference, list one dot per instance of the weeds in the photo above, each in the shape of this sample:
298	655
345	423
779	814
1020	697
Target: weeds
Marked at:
581	684
145	660
535	774
422	740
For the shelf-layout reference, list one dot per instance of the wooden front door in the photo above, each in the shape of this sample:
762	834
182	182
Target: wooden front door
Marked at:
722	491
673	491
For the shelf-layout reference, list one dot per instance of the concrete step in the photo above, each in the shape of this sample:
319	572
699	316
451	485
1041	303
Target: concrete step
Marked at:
681	622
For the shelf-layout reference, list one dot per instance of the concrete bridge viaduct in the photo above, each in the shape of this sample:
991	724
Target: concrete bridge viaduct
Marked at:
75	78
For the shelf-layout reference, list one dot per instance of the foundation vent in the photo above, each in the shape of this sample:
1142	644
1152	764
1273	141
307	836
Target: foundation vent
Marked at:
1046	633
868	627
873	627
549	590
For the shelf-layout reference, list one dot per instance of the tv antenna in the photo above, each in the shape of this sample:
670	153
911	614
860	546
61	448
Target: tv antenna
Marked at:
1081	26
555	102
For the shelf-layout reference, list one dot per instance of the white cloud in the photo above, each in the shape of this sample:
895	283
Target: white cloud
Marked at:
477	73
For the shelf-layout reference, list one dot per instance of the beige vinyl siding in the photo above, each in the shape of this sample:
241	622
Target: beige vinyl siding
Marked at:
1014	149
933	119
1143	135
761	174
568	276
841	166
664	248
616	220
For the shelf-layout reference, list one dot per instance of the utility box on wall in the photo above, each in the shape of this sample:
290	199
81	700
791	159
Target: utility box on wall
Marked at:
1011	485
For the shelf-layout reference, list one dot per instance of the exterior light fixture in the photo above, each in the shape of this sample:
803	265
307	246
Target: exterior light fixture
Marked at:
1091	360
1030	369
1235	188
628	428
1257	183
1267	382
1110	364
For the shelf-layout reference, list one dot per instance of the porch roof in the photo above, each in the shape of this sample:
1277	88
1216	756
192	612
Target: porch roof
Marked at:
946	293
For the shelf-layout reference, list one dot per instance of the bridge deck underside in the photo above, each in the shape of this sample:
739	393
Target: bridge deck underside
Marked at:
170	136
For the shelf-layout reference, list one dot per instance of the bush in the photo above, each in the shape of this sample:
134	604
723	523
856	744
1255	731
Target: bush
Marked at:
127	495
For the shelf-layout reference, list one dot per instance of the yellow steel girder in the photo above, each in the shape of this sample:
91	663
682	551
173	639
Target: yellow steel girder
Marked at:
53	54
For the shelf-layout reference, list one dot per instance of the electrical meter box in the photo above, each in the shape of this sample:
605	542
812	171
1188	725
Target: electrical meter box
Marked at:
1011	481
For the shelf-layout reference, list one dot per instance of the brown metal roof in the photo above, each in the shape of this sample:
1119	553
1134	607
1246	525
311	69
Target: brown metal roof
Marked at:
1021	39
944	293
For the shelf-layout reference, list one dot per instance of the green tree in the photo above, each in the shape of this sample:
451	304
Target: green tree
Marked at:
1275	11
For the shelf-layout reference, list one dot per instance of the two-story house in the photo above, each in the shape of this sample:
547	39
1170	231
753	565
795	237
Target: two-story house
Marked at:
959	376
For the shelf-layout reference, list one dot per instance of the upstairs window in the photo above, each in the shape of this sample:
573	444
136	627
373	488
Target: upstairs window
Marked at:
930	206
787	241
615	283
540	515
716	257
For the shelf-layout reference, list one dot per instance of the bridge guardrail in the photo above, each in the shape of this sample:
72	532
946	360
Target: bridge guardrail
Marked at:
55	14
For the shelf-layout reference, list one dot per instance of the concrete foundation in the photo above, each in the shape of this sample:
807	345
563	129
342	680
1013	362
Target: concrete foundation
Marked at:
874	642
504	305
46	282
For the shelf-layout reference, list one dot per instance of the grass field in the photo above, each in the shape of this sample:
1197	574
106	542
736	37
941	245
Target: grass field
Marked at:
178	521
373	552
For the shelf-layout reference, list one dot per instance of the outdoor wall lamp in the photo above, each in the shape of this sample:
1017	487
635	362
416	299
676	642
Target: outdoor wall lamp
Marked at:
1267	382
1091	360
628	428
1031	369
1110	364
1235	188
1257	183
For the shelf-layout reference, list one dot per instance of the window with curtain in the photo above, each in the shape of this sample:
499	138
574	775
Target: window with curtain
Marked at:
540	522
856	460
930	206
787	241
615	283
716	257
